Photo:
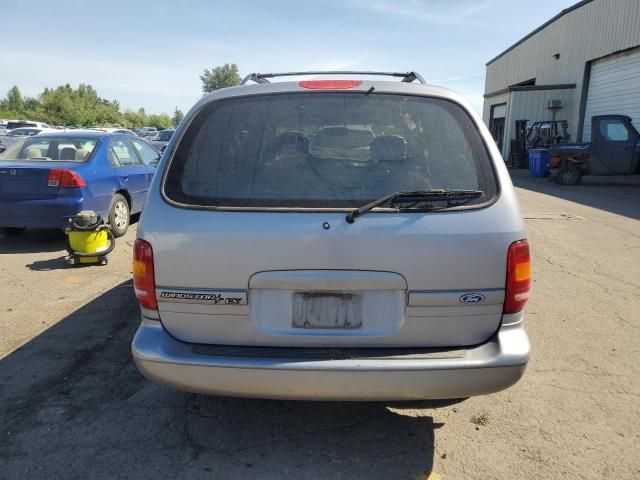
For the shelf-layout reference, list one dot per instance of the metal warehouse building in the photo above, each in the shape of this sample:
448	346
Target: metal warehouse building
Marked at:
583	62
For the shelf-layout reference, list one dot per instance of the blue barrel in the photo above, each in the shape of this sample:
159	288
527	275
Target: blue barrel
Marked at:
539	162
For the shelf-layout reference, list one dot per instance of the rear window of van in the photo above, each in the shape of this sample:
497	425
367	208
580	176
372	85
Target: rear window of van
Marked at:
326	150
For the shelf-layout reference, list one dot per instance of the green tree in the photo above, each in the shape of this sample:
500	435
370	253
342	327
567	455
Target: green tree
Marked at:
220	77
33	109
65	105
177	117
14	99
159	121
134	119
59	107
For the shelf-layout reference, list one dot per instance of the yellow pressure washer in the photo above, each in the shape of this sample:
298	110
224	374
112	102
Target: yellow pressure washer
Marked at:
89	240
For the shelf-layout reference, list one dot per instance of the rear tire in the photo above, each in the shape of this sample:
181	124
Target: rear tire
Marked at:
569	175
119	215
13	231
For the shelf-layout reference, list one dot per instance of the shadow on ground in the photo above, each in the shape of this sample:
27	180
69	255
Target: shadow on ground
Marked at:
620	195
49	264
59	263
73	405
33	241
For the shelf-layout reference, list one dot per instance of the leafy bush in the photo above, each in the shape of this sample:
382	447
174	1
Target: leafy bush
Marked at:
82	106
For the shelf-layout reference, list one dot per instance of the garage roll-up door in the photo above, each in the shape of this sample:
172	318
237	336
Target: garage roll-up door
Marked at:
614	88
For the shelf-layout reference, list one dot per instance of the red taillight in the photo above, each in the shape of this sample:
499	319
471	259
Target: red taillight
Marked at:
329	84
144	282
518	277
63	177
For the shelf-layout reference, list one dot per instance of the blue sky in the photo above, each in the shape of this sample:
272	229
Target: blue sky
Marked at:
150	53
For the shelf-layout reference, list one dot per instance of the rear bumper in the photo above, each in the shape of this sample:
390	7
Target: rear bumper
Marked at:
45	213
486	368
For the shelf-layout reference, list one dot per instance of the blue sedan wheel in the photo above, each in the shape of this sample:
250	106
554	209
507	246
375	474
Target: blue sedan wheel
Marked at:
119	215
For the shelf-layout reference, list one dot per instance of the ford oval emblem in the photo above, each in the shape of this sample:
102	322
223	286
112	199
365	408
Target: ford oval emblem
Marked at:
472	298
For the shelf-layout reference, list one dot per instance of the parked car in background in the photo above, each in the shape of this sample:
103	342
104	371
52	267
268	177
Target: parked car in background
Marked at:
11	136
148	131
26	131
13	124
162	138
124	131
47	179
614	150
332	240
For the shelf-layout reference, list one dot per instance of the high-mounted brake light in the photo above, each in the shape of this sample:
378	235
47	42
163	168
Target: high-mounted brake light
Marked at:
518	277
144	282
63	177
329	84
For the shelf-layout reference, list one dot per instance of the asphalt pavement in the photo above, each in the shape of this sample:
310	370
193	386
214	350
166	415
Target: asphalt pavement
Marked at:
73	405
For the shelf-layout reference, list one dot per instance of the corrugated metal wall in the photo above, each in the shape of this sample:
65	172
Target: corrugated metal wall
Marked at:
589	32
532	106
594	30
489	102
486	111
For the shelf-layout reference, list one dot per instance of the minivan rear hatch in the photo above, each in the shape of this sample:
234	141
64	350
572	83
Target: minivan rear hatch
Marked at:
252	245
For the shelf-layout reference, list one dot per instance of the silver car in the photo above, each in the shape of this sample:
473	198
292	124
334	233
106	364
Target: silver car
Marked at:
161	139
332	240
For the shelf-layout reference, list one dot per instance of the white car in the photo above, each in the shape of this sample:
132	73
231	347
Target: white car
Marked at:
11	136
124	131
27	131
13	124
148	131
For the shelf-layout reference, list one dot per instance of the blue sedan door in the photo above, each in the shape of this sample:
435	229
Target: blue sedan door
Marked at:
149	156
133	174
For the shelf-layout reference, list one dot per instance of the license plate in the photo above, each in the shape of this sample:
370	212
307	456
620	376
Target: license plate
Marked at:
327	310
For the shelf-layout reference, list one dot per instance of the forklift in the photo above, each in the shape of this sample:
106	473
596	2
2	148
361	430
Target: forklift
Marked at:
546	134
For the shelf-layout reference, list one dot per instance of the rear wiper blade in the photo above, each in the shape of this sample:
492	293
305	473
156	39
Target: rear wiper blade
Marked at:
414	197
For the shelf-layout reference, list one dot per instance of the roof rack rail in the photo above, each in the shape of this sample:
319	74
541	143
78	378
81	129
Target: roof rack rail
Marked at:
262	77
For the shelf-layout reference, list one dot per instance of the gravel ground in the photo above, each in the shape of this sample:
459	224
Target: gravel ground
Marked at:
72	404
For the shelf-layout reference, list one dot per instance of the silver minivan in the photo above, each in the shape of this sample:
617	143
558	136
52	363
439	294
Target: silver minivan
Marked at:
332	240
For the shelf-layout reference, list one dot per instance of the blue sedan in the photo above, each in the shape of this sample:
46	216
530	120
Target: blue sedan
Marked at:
48	178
